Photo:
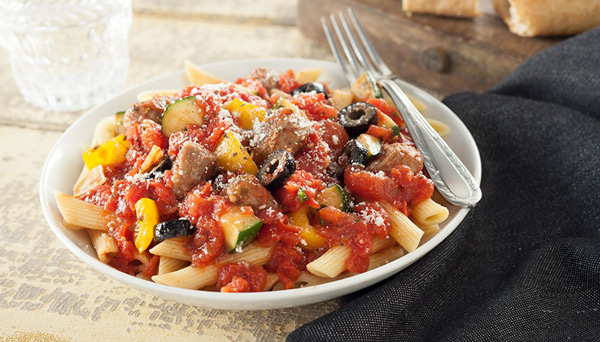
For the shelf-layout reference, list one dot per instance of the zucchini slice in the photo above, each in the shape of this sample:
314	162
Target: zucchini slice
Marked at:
119	127
181	113
302	195
239	228
365	87
387	122
334	197
372	144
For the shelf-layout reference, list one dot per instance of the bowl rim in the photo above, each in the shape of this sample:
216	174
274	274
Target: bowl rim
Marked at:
329	290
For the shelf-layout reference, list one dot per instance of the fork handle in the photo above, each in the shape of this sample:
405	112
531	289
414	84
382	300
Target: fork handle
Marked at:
448	173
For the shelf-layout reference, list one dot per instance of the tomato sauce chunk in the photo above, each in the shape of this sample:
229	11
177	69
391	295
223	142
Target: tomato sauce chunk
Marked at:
347	229
288	81
203	208
241	277
301	187
287	262
313	104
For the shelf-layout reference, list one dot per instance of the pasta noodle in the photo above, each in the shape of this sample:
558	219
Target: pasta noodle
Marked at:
82	214
385	256
308	75
150	94
429	231
88	180
404	231
152	158
193	277
168	265
105	245
421	107
333	262
330	264
198	76
173	248
341	98
272	279
441	128
429	212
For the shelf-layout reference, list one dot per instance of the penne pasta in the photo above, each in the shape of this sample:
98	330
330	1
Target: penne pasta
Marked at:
429	231
441	128
308	279
150	94
387	249
404	231
168	265
385	256
193	277
199	77
421	107
152	158
88	180
173	248
105	246
429	212
104	131
341	98
308	75
272	279
333	262
82	214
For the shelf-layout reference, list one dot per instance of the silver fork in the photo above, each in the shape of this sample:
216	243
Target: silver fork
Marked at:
449	174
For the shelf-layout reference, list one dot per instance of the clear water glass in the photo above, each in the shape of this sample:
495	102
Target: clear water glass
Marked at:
66	55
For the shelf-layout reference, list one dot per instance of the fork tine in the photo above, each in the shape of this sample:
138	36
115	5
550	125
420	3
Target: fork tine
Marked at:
349	74
356	69
362	59
378	62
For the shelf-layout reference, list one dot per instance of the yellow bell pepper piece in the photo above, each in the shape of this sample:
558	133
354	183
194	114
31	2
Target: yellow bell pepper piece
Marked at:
248	112
232	156
310	238
147	217
110	153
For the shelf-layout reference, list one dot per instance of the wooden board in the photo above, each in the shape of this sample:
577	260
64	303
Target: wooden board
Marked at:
443	55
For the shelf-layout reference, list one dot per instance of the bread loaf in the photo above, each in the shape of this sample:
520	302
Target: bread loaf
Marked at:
531	18
451	8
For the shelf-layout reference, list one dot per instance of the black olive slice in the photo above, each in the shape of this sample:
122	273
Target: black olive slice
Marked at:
357	117
163	165
276	169
354	152
312	86
174	228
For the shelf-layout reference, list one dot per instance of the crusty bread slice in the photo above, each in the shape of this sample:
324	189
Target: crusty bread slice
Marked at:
451	8
531	18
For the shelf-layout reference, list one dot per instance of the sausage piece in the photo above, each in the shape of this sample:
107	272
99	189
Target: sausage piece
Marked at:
268	77
396	154
141	111
193	165
283	130
246	190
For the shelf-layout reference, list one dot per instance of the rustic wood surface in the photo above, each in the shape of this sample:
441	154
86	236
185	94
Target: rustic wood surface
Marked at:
442	55
46	293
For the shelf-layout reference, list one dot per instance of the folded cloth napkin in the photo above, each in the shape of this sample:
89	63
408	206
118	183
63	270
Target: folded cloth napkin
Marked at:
524	265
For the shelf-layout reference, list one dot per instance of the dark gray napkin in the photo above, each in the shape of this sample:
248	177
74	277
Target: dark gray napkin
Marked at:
525	263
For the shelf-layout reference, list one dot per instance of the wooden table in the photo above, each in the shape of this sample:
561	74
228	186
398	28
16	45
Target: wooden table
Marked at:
46	293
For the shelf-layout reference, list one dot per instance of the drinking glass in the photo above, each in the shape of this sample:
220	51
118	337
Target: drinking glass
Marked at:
66	55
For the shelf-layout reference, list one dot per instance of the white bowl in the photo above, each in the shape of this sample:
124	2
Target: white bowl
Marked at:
64	164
